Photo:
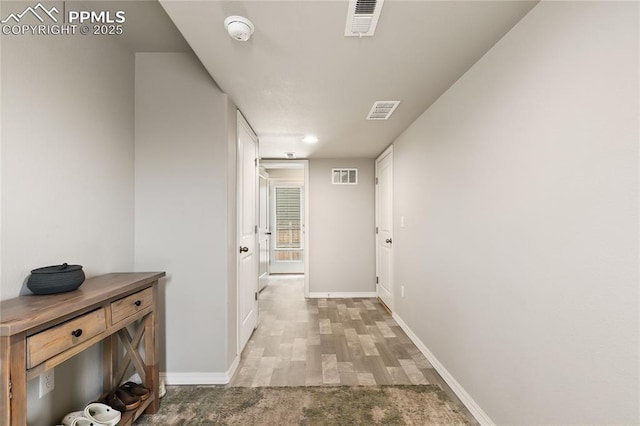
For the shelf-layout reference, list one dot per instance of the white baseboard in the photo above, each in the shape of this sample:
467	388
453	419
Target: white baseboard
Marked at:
342	295
457	388
195	378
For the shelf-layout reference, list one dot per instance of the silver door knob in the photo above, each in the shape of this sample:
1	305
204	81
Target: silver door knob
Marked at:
244	249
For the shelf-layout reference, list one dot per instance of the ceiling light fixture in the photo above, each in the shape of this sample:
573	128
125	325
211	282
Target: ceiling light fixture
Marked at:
310	139
239	27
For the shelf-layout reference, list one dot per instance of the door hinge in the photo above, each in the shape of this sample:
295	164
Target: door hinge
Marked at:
376	181
255	162
376	229
256	229
377	280
10	393
256	295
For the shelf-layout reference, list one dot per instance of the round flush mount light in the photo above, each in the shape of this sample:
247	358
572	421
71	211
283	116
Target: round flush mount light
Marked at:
310	139
239	28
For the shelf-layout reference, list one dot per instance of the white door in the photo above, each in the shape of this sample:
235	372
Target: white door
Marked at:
384	227
263	227
247	227
287	225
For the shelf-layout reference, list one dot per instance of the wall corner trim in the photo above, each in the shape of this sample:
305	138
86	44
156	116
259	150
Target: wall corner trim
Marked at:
466	399
201	378
342	295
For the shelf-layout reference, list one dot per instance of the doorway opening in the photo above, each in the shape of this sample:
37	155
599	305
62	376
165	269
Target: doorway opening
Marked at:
284	220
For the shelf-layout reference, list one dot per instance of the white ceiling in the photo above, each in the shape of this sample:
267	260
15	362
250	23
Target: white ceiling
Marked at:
299	74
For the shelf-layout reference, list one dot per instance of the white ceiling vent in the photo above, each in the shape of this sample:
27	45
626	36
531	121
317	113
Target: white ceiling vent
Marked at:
382	110
362	17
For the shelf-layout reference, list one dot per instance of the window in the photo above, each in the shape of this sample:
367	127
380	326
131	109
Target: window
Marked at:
344	176
288	244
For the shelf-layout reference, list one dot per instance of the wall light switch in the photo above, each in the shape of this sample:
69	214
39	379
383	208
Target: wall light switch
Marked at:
402	291
401	221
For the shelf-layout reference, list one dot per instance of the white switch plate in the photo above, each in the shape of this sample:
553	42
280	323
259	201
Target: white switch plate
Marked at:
401	221
402	291
47	382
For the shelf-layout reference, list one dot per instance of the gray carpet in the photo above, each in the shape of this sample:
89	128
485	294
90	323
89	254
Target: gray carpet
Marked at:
339	405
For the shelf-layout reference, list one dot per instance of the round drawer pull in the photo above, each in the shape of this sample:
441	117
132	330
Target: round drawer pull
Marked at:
77	333
137	303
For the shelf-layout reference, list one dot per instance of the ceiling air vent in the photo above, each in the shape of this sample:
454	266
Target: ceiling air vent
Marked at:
362	17
382	110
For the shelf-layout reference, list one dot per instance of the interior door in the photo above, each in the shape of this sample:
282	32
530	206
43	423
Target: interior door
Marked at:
247	228
263	227
384	227
287	224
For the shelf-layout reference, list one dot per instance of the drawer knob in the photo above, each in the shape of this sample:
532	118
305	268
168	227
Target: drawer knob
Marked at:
77	333
137	303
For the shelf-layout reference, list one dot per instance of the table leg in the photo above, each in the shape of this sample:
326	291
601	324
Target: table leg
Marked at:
13	380
109	363
151	353
5	391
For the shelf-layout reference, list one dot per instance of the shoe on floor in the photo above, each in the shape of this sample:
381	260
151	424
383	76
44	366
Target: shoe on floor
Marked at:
102	414
122	401
83	421
136	389
69	418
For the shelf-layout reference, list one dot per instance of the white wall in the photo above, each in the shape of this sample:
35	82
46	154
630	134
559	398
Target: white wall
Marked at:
341	229
519	188
232	238
289	174
67	178
185	148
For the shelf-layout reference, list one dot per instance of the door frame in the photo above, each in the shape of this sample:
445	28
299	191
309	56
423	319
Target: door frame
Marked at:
263	175
241	121
297	164
279	183
386	152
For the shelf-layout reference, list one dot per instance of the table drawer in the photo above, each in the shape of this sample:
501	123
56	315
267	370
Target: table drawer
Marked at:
51	342
125	307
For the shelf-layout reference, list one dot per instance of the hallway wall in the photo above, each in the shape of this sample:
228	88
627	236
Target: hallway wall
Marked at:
185	212
519	189
67	179
341	229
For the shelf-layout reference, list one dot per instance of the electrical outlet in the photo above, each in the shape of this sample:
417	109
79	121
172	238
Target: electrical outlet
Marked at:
47	382
402	291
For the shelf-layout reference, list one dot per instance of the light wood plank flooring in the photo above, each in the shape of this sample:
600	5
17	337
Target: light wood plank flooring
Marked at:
324	342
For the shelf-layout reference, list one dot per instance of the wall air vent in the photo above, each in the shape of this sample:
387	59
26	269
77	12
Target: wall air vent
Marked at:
290	155
382	110
344	176
362	17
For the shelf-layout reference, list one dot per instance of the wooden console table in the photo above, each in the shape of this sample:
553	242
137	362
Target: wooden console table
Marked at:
38	332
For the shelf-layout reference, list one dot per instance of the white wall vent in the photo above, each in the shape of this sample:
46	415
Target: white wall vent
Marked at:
290	155
382	110
362	17
344	176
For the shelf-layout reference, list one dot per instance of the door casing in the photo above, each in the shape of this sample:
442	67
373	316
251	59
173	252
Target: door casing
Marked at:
284	267
384	227
247	264
292	164
264	220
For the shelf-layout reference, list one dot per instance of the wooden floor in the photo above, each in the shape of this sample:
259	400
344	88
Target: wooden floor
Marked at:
320	342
